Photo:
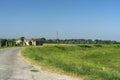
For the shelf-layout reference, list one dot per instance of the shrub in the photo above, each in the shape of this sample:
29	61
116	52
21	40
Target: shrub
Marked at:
98	45
85	46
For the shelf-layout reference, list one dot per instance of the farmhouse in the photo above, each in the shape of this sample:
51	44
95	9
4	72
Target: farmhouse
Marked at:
29	42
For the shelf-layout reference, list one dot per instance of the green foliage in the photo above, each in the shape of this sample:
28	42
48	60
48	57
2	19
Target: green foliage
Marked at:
22	38
85	46
98	45
98	62
76	41
7	42
117	46
43	40
3	42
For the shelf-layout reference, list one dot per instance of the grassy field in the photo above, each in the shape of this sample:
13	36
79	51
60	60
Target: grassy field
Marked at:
98	62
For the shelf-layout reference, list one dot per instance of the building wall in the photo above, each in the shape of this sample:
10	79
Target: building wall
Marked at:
18	41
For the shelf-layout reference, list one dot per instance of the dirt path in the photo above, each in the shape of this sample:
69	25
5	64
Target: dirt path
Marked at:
13	67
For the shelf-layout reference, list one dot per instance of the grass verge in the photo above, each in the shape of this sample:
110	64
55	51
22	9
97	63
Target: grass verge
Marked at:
98	62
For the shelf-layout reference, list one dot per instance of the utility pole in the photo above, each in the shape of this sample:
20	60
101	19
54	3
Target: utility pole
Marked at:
57	38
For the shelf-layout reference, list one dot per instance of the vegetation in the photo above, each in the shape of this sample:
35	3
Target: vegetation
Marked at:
7	42
12	42
22	39
34	70
98	62
77	41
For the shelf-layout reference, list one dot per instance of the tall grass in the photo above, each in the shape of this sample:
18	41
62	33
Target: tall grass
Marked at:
98	62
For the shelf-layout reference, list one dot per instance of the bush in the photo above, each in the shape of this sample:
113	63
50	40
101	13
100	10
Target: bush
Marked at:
98	45
85	46
60	47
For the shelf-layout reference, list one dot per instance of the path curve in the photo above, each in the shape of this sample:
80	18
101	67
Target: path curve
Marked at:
13	67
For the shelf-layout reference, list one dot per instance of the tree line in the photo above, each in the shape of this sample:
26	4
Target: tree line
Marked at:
77	41
12	42
87	41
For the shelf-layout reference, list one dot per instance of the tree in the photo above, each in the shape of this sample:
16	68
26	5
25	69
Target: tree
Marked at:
10	42
22	40
43	40
3	42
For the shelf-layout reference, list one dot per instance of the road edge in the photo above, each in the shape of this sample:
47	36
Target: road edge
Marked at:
49	69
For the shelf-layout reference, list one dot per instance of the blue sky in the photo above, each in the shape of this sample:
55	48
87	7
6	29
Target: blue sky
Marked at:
88	19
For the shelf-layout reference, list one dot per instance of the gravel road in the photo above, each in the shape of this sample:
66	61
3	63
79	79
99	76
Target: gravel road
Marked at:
13	67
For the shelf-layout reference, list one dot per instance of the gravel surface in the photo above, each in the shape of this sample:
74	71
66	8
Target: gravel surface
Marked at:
13	67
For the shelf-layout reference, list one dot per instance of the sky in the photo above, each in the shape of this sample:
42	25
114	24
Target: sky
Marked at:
78	19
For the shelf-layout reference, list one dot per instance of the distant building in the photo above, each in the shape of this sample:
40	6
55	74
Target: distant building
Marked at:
29	42
36	43
18	41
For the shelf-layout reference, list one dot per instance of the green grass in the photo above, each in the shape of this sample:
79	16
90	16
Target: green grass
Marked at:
34	70
3	47
98	62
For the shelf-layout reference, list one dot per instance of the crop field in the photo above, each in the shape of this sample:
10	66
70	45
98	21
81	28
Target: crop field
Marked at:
97	62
